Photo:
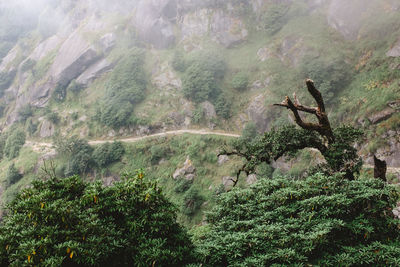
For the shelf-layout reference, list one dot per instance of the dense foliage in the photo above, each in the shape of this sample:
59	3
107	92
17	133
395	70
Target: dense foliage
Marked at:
323	221
108	153
67	222
340	156
14	141
200	81
125	88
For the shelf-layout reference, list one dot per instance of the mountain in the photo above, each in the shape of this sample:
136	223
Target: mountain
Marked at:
105	70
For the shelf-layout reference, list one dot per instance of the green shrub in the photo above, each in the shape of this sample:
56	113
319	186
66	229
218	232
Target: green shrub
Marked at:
60	92
274	18
13	144
240	81
182	185
223	106
6	79
108	153
158	152
67	222
74	87
53	117
125	88
12	175
321	221
178	62
192	201
25	112
199	83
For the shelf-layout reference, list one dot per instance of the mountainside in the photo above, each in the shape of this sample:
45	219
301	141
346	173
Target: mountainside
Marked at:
111	69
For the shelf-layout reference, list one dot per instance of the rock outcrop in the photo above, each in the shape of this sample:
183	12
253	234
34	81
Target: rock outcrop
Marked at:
395	50
258	113
154	22
186	172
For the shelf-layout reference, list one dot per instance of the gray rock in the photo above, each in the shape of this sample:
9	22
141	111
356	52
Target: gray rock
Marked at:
153	22
395	50
258	113
47	129
251	179
381	116
45	47
94	72
228	182
107	42
227	30
73	58
346	16
264	54
209	110
222	159
187	171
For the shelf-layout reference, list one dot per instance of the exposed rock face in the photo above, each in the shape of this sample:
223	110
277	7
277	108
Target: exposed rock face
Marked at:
74	57
44	48
166	79
94	72
187	171
381	116
346	16
258	113
46	129
227	30
223	27
209	110
153	22
395	50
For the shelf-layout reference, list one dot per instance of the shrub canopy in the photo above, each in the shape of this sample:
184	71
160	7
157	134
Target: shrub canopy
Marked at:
67	222
323	221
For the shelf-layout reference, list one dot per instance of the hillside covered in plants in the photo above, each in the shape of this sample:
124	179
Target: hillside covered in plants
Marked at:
178	103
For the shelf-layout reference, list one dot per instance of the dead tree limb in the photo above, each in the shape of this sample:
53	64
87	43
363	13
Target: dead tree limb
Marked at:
323	127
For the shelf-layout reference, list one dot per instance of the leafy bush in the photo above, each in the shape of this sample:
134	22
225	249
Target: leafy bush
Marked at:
322	221
240	81
178	62
6	79
182	185
157	153
53	117
12	175
199	84
200	81
192	201
67	222
329	74
74	87
223	106
25	112
60	92
13	144
274	18
77	151
126	87
108	153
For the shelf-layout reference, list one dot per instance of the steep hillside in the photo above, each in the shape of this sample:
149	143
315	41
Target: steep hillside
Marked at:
112	69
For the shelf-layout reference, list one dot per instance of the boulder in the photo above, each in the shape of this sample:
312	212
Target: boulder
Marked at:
251	179
381	115
74	57
258	113
94	71
107	42
228	182
154	22
222	159
209	110
186	172
395	50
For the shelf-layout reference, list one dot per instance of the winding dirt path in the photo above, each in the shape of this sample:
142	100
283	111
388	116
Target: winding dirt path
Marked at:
40	146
